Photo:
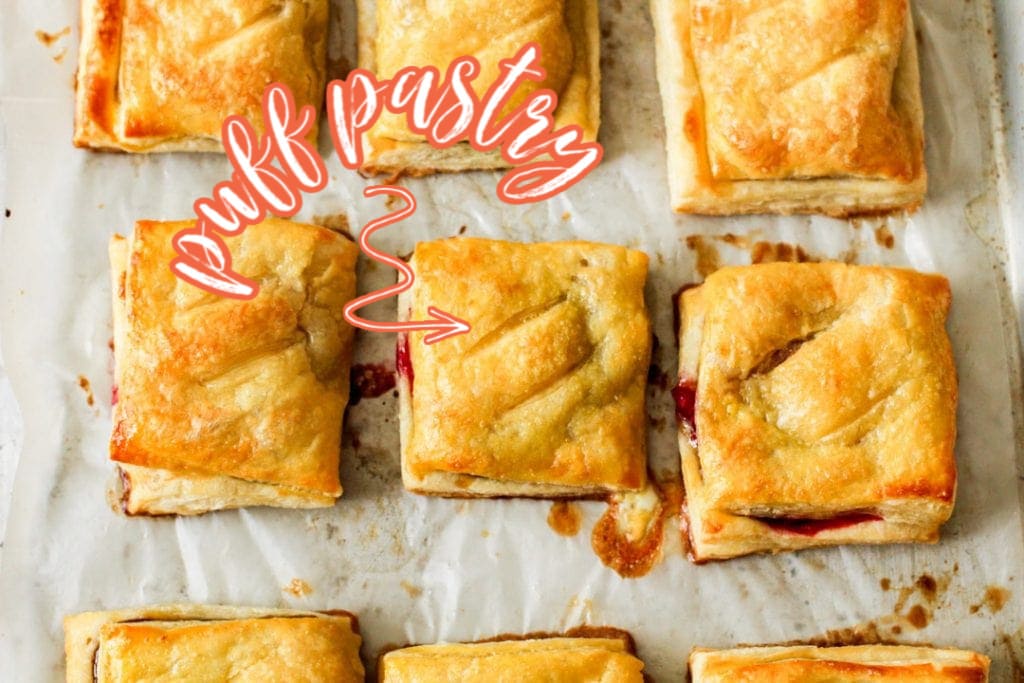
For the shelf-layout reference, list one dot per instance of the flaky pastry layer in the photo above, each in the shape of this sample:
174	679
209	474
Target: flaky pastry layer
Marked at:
211	642
809	664
554	659
225	403
544	397
394	34
790	107
156	76
822	392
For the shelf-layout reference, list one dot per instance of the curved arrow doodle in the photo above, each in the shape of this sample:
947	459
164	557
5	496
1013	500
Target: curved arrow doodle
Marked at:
444	324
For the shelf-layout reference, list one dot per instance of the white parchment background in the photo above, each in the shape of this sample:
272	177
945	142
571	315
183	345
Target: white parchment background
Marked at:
418	569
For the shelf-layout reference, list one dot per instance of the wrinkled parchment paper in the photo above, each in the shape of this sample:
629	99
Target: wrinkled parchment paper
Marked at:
419	569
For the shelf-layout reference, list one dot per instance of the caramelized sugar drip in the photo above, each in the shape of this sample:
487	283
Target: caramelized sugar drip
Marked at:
630	534
565	518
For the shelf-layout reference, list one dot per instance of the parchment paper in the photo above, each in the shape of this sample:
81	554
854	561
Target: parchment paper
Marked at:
419	569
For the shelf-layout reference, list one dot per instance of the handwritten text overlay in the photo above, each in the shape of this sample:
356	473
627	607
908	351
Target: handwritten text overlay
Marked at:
545	161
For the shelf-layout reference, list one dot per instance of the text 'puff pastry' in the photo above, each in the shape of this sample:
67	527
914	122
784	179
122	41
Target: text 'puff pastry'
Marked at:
225	403
194	643
605	655
849	664
817	404
397	33
162	76
790	106
544	397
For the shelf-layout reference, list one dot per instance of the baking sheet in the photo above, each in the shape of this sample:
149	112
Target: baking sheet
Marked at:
420	570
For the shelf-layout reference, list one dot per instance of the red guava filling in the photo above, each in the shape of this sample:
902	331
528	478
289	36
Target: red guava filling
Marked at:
685	396
813	527
403	360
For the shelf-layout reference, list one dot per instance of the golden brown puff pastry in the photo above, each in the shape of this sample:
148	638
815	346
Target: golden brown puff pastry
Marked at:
824	401
850	664
212	643
162	76
544	397
226	403
398	33
603	657
792	106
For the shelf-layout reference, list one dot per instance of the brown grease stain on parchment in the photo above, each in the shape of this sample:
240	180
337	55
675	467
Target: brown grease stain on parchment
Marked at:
565	518
297	588
83	383
49	39
912	611
994	599
412	590
759	251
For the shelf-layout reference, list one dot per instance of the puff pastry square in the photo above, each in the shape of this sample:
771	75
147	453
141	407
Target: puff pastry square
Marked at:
544	397
809	664
790	107
823	399
606	655
212	643
162	76
398	33
225	403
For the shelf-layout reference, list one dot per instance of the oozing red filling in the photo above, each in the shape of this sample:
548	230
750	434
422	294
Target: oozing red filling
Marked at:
685	395
113	394
813	527
403	361
369	380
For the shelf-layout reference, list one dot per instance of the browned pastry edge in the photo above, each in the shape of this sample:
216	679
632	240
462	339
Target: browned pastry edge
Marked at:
870	211
328	612
581	631
826	642
353	619
120	495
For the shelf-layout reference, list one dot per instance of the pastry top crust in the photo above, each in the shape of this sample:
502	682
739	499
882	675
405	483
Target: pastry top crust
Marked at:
548	386
273	648
250	389
568	660
158	75
431	33
799	89
809	664
212	643
823	388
